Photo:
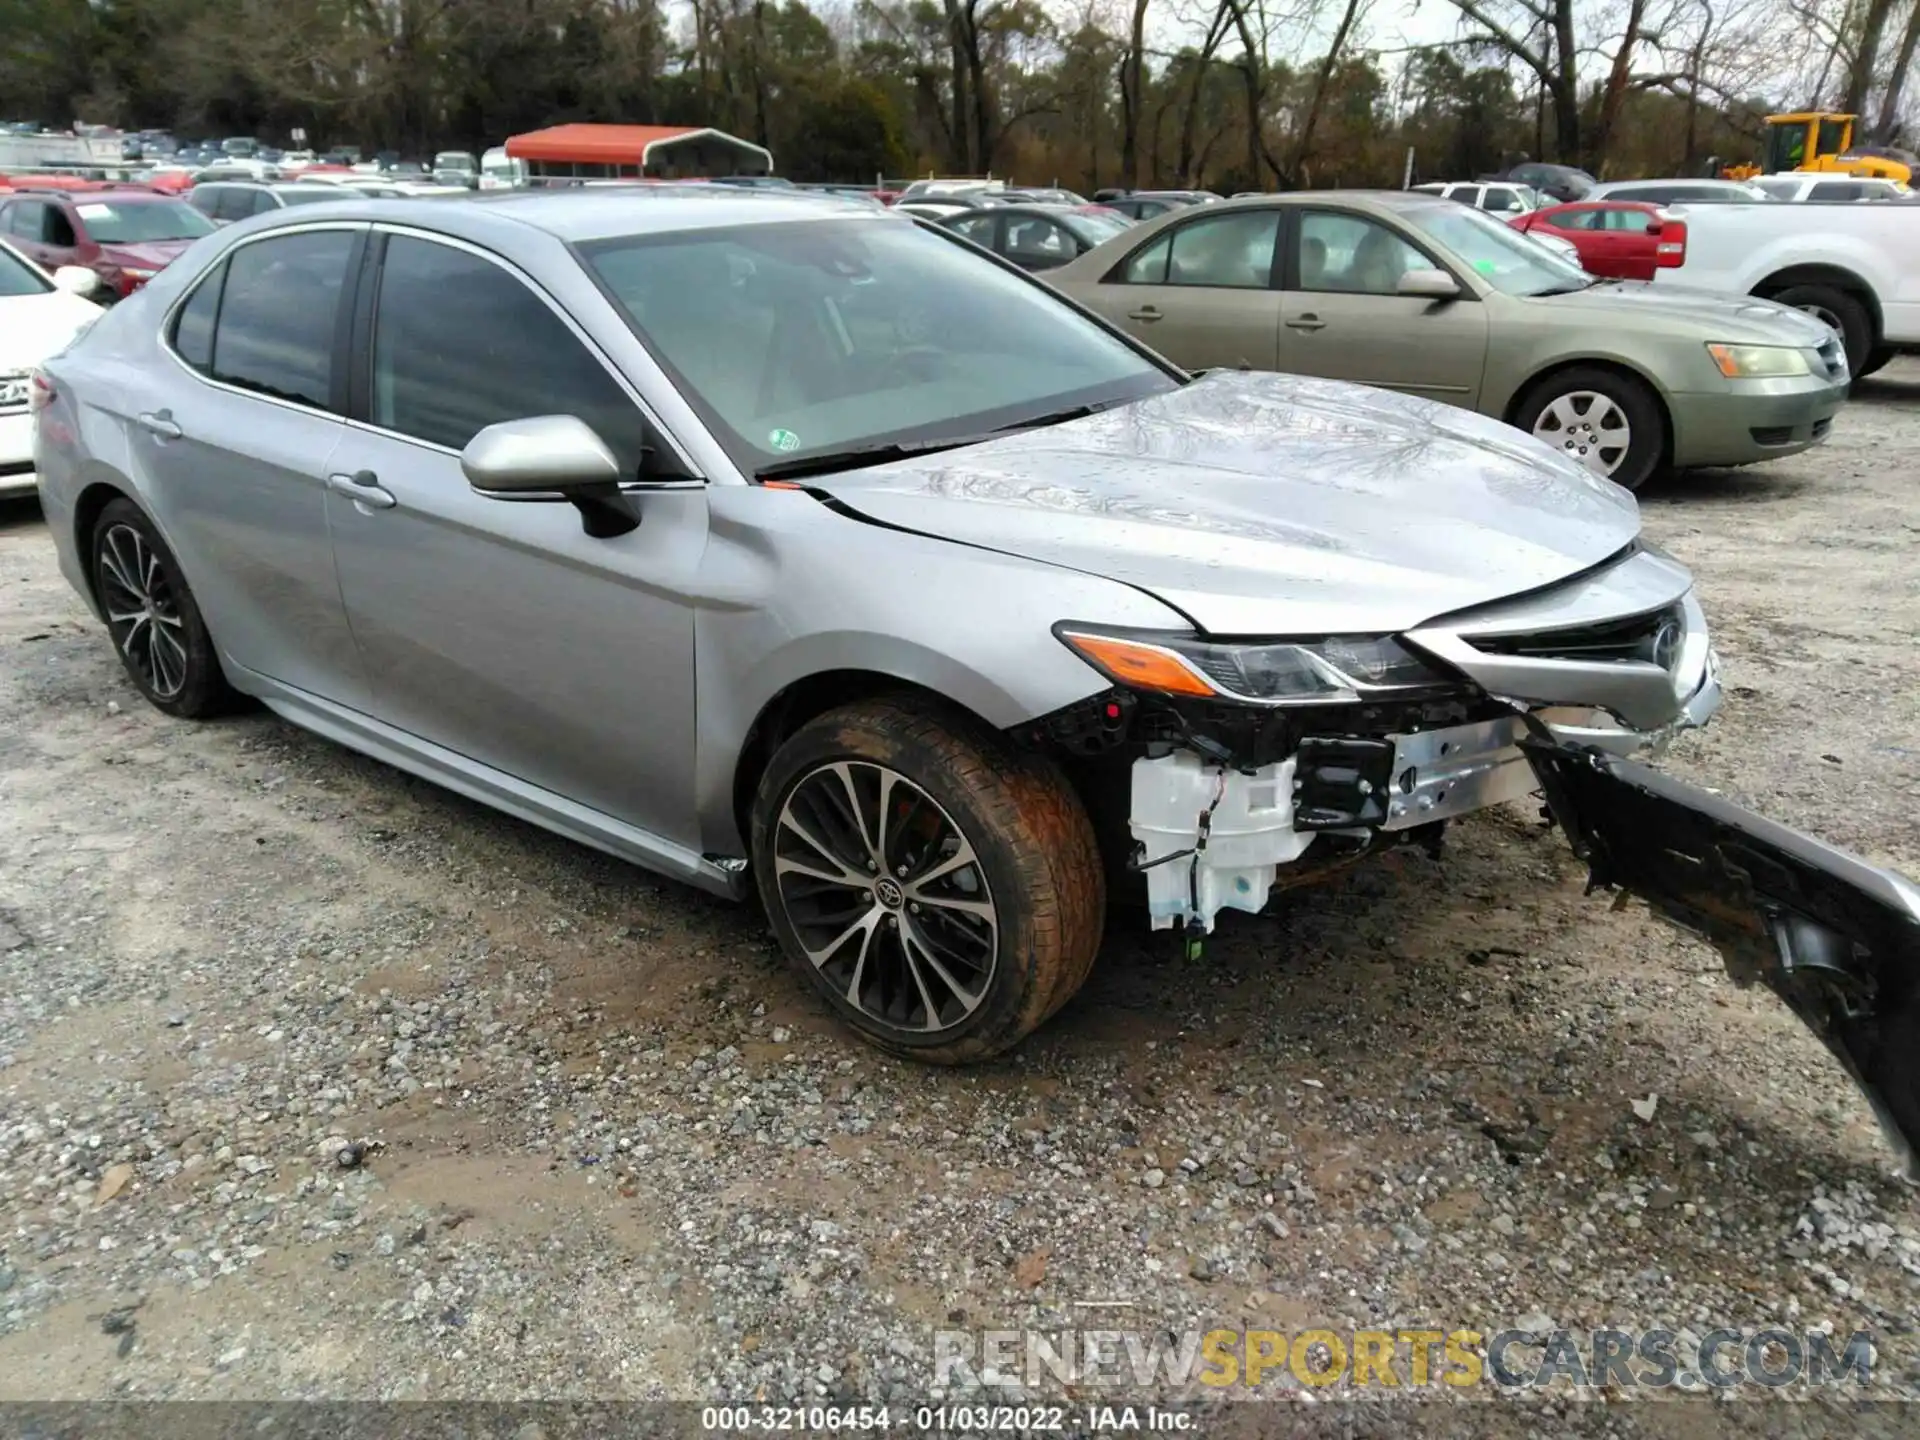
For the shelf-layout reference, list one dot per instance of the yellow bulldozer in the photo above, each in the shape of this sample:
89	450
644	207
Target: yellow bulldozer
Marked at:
1822	140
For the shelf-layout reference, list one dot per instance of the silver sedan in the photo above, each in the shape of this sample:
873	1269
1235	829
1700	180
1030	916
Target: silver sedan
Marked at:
796	549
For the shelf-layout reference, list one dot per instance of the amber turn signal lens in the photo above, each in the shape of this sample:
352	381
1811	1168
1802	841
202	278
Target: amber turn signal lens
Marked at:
1145	667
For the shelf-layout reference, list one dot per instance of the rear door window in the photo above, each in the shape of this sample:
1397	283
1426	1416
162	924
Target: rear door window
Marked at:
278	313
193	326
1232	251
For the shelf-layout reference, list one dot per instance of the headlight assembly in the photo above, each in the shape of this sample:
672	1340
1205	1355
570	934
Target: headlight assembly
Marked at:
1760	362
1276	672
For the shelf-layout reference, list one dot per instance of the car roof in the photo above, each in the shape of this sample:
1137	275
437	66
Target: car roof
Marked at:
1709	182
581	214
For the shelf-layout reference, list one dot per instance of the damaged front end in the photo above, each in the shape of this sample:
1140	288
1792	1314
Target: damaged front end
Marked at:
1836	938
1255	764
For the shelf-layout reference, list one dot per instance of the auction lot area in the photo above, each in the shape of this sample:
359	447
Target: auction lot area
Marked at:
618	1152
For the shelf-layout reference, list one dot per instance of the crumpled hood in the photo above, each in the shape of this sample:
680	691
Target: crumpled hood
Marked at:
1716	318
1264	504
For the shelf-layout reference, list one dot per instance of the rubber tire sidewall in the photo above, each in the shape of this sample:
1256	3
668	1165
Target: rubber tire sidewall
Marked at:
1877	360
1856	327
1042	961
1649	446
206	691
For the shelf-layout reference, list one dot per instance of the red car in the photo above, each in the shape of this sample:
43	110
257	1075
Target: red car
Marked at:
1623	239
126	237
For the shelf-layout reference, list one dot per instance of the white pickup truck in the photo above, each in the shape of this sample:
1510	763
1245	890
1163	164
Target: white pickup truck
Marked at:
1856	266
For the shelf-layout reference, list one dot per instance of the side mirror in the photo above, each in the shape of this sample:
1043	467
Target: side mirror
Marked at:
555	457
1428	285
77	280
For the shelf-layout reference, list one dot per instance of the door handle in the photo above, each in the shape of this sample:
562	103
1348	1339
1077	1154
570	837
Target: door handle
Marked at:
160	422
1306	322
1145	312
362	487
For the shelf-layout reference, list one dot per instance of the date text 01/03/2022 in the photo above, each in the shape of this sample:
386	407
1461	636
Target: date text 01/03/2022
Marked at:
937	1419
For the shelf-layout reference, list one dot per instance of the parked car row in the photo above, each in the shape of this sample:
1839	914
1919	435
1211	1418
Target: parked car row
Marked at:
1223	631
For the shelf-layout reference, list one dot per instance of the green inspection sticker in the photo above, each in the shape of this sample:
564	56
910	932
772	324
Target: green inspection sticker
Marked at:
784	440
1485	267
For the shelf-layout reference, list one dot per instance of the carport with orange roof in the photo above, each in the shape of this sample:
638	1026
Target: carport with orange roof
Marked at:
636	152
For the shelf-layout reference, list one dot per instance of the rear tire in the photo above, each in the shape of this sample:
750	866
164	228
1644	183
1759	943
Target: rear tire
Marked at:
941	890
1841	312
160	636
1618	408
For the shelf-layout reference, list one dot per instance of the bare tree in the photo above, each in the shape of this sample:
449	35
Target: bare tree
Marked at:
1538	34
1185	168
1903	63
1303	142
1865	53
1613	94
1133	75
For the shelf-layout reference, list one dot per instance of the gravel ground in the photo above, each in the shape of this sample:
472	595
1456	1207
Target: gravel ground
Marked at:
606	1147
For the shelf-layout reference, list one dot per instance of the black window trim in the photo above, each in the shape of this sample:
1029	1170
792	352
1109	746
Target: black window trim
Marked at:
1290	276
364	313
342	321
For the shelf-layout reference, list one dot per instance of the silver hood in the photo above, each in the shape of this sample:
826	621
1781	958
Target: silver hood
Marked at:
1263	504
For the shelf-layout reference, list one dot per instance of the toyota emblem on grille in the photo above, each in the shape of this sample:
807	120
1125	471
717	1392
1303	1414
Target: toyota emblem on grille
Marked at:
12	393
1666	643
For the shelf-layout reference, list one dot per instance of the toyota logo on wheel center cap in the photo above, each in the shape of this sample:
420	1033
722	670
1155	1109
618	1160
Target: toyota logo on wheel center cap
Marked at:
888	893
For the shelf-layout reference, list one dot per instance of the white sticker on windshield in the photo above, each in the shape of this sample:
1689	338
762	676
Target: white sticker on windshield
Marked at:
95	212
784	440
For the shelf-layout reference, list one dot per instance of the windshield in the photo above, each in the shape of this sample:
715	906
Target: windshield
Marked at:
1505	258
1780	189
19	278
453	160
1094	228
111	222
809	337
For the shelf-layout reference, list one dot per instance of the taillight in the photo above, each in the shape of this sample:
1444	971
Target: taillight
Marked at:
1670	253
39	392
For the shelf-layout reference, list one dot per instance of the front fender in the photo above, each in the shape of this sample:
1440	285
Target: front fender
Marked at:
797	589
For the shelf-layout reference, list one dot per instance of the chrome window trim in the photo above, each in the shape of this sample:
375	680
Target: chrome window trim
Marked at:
632	391
167	319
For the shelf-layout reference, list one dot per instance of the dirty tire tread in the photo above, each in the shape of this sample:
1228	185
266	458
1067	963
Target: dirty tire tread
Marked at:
1029	804
206	693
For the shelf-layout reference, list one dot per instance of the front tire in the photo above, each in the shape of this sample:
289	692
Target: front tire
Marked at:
1609	422
1840	312
940	889
156	626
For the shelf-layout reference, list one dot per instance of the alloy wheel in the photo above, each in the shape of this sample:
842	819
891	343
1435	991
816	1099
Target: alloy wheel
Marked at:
1826	317
1589	427
142	613
886	896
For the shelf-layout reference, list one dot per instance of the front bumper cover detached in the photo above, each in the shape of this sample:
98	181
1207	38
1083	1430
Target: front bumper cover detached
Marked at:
1836	938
